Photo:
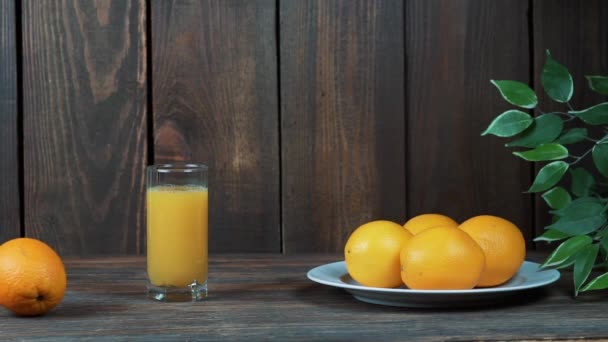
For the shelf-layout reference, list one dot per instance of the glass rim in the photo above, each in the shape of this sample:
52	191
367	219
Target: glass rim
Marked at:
177	167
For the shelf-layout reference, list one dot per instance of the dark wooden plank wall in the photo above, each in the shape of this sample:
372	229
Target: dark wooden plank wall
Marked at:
84	116
454	48
215	102
10	223
315	116
342	105
576	32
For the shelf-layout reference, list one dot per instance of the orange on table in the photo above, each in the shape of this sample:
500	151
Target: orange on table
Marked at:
372	253
503	245
441	258
32	277
423	222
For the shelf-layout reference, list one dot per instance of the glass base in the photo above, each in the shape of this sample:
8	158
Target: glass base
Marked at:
192	293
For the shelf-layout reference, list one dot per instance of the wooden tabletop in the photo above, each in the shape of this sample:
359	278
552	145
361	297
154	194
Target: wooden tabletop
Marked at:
268	297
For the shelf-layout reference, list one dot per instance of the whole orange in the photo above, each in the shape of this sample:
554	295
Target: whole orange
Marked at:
372	253
441	258
503	245
423	222
32	277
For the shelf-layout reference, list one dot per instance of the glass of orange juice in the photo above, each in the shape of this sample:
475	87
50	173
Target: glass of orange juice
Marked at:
177	200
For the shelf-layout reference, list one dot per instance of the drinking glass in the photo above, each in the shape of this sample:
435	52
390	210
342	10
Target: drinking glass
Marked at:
177	199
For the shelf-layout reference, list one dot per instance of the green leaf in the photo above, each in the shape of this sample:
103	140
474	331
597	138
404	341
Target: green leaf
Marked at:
578	226
604	244
566	249
581	207
601	234
509	123
548	176
583	264
557	198
582	182
598	84
552	235
584	215
600	158
517	93
599	283
569	262
572	136
556	80
544	129
596	115
544	152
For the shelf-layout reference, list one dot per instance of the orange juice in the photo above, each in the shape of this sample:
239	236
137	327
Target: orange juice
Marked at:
177	235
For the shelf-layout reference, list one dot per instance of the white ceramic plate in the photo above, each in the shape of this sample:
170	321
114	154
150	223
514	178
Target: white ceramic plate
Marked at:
528	277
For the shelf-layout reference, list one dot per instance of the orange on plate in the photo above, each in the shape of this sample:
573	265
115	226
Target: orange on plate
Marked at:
503	245
441	258
423	222
372	253
32	277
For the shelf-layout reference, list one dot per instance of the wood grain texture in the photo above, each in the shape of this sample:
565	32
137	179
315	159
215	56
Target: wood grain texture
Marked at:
84	88
10	224
454	48
342	119
267	297
576	33
215	102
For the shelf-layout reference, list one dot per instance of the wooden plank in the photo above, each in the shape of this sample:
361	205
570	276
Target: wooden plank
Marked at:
215	102
266	297
576	33
342	105
84	88
10	222
454	48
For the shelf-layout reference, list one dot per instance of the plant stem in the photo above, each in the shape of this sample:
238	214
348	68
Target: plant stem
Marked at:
603	264
564	114
579	158
569	117
570	106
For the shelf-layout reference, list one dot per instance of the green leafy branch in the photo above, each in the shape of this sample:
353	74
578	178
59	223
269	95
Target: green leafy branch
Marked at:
580	213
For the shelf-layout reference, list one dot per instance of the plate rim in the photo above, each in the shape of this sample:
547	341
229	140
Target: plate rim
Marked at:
553	276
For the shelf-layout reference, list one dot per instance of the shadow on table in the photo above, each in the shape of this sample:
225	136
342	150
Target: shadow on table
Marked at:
273	290
83	310
324	296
